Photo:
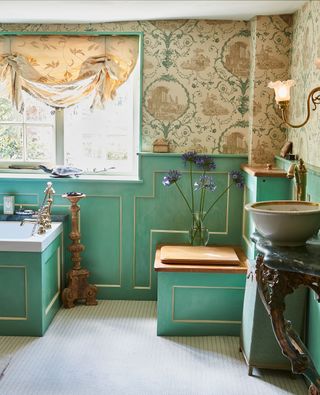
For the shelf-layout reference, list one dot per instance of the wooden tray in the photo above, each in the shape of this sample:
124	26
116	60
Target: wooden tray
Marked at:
222	255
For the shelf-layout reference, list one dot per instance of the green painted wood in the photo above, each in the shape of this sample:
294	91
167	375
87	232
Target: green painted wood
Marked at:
13	300
194	304
258	342
121	221
52	258
313	313
257	339
28	282
259	189
313	341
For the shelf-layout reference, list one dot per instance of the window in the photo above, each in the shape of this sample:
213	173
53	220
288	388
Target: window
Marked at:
27	137
99	141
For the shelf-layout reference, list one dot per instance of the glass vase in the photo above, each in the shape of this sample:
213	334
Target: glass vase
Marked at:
199	233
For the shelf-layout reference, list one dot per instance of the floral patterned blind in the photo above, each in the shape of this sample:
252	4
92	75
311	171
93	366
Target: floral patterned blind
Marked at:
61	70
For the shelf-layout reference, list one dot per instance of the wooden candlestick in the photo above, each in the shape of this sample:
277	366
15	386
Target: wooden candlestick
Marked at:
78	288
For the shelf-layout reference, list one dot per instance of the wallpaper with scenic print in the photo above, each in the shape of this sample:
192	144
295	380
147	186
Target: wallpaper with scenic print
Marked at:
305	50
196	81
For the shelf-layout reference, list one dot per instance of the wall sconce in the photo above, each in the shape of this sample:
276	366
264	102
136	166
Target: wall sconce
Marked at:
282	96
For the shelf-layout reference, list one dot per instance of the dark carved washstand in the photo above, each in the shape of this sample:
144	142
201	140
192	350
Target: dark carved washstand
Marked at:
279	271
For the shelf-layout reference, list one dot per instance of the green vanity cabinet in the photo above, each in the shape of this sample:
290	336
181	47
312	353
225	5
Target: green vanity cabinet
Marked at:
30	285
257	340
260	185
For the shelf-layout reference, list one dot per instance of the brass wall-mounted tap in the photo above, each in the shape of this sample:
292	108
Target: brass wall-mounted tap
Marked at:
298	171
42	219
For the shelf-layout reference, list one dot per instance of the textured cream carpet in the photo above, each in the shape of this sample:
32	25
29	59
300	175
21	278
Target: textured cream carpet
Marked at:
113	349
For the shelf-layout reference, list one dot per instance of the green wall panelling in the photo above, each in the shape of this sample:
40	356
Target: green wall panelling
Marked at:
28	283
313	330
194	304
121	221
313	343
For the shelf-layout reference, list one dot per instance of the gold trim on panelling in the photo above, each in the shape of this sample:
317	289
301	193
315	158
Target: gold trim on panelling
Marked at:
152	196
55	297
201	321
120	239
25	294
245	218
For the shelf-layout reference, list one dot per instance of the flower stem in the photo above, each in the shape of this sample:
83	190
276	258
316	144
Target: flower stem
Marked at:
218	198
202	196
191	186
182	194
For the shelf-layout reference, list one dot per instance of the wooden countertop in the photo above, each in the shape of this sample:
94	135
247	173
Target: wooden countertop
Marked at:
262	171
170	267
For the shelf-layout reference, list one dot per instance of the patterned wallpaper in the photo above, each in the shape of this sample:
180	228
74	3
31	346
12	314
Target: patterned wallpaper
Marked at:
305	50
271	45
196	81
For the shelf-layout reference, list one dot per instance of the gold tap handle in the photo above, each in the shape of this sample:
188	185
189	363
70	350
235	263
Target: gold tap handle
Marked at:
49	191
302	167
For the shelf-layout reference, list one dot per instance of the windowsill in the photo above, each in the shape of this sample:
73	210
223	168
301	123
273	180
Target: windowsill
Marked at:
35	175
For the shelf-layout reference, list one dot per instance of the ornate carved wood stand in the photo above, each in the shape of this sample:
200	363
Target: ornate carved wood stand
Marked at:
78	288
279	272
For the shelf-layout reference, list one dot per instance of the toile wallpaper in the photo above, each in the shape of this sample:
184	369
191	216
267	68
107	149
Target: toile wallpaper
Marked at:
200	78
305	50
271	46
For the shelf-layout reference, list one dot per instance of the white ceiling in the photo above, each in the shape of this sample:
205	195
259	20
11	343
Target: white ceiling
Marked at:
77	11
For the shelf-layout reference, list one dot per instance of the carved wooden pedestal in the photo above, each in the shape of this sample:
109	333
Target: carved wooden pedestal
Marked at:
279	272
78	287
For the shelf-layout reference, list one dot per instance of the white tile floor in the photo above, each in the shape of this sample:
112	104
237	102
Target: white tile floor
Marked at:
113	349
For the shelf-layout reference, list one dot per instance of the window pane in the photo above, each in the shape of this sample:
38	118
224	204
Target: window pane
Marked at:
30	136
101	139
11	142
8	113
36	111
40	141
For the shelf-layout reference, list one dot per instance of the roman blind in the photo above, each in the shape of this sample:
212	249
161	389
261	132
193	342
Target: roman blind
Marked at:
61	70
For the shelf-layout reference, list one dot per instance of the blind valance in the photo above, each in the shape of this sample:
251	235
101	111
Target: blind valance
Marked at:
62	70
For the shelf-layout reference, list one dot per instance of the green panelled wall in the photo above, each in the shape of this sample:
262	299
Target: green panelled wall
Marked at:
122	221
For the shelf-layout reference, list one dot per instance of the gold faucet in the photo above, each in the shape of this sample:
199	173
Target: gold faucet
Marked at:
299	172
43	217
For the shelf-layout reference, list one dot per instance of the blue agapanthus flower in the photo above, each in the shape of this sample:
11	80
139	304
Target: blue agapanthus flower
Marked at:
172	177
205	162
237	178
205	182
190	156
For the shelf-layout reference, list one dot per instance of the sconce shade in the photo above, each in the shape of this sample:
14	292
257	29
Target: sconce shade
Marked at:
281	89
282	93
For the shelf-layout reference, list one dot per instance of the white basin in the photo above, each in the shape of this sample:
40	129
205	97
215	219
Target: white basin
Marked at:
14	237
286	222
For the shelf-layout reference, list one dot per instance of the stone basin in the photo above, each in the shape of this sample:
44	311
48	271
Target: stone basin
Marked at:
286	222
